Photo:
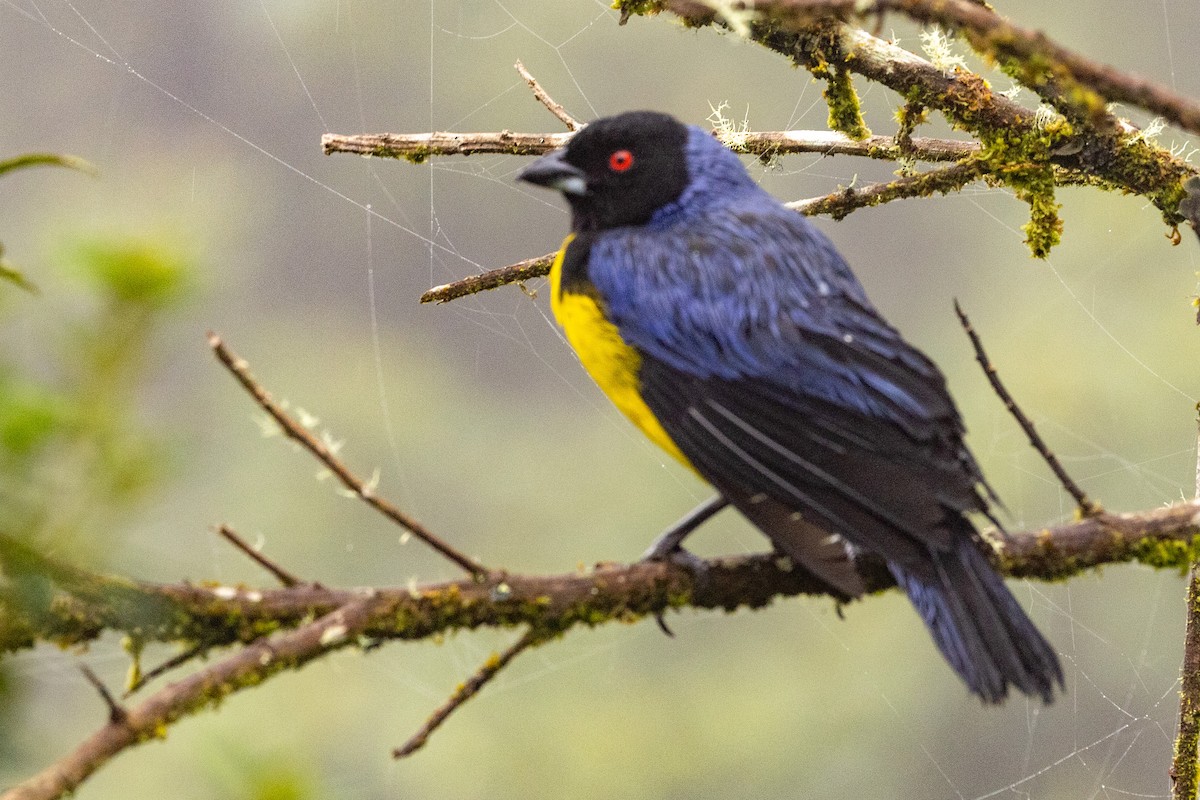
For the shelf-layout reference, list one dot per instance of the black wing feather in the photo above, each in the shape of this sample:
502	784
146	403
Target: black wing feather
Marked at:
861	477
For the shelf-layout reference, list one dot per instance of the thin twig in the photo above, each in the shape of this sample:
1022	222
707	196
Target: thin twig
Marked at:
545	99
171	663
116	714
281	574
1086	507
764	144
295	431
465	691
492	279
420	146
1183	763
841	203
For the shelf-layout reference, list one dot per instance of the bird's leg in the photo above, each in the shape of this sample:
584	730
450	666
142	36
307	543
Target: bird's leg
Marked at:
668	547
669	543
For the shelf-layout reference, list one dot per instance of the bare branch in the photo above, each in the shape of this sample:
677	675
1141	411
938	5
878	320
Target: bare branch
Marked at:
298	433
418	147
466	690
941	181
281	574
767	144
175	661
116	714
1086	507
501	276
546	100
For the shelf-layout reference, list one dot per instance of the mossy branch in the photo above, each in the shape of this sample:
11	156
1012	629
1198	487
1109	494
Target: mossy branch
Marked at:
1079	87
1116	156
279	629
73	606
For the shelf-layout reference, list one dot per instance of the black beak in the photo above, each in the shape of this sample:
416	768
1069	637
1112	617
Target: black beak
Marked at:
553	172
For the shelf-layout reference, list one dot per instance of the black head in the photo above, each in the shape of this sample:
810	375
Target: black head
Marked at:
618	170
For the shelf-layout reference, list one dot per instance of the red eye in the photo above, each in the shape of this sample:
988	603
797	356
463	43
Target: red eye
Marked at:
620	161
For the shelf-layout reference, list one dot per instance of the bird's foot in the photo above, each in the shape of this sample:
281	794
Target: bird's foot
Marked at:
668	547
693	564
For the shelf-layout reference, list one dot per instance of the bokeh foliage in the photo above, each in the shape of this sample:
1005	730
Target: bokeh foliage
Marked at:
75	452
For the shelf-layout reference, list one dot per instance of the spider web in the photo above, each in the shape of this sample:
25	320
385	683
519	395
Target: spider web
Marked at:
205	122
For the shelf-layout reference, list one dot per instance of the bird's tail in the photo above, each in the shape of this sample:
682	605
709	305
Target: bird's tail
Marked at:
979	626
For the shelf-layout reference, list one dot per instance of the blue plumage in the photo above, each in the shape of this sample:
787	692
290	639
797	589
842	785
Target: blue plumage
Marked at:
757	351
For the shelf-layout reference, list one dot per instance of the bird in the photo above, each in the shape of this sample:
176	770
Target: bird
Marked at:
733	334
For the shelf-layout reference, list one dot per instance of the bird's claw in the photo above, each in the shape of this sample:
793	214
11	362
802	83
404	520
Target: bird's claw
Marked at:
693	564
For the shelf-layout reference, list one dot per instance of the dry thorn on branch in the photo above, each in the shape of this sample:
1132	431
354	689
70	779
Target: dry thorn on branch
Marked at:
295	431
545	99
281	574
487	670
1086	507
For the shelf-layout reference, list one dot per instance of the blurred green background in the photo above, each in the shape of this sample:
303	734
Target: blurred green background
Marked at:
204	121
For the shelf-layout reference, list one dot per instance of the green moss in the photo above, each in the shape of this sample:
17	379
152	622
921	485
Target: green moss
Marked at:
1044	229
1021	160
845	114
822	55
1055	83
1150	170
909	117
1047	562
1167	553
629	8
967	100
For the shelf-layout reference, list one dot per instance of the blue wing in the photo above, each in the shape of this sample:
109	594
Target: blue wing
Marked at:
773	373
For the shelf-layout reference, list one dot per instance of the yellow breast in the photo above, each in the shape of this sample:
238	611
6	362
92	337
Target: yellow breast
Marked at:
611	362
